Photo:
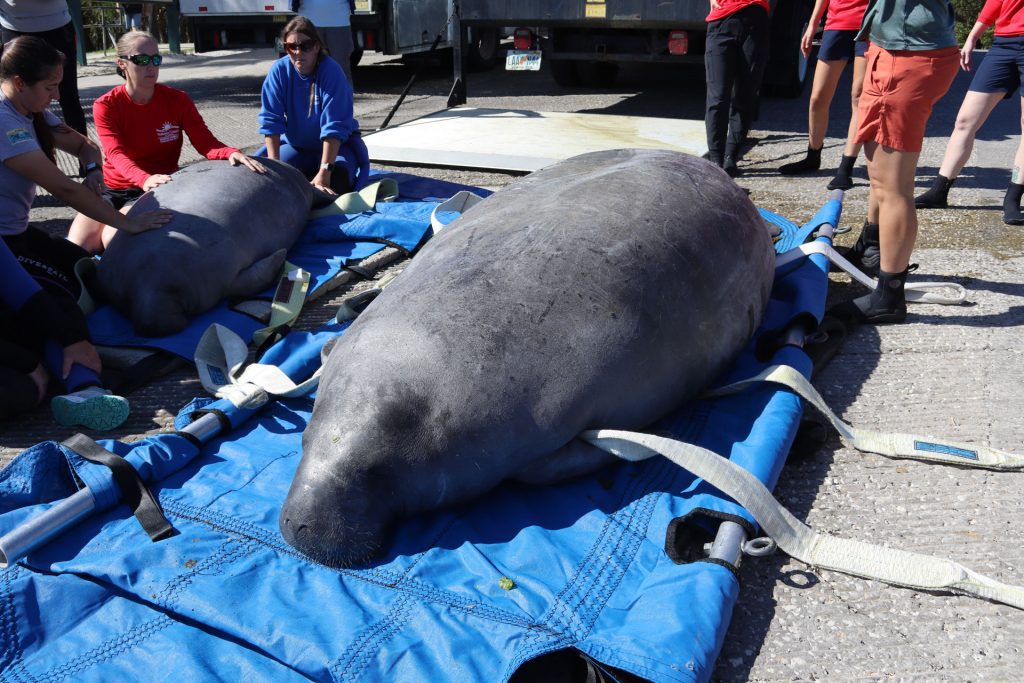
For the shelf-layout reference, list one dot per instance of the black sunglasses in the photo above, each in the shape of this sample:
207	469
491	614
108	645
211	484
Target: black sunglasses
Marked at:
304	46
144	60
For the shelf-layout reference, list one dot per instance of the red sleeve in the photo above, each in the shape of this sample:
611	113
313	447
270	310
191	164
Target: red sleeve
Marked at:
990	12
198	134
727	7
106	118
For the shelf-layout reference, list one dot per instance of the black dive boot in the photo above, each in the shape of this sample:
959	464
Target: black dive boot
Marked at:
730	167
1012	215
936	196
844	174
865	253
811	162
885	305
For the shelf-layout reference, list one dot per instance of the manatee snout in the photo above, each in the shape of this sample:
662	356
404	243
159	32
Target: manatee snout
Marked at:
334	519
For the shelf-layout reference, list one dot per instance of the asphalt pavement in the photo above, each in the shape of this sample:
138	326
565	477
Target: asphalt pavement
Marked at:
949	371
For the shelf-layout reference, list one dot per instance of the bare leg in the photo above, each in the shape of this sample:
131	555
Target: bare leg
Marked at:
974	111
90	234
86	233
1018	160
892	174
852	149
826	78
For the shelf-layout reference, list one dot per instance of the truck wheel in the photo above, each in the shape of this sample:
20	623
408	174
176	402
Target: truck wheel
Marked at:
788	70
565	72
483	48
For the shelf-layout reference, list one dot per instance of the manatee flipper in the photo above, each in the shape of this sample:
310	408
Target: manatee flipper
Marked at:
257	276
572	460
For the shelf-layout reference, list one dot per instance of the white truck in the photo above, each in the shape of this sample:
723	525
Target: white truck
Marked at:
393	27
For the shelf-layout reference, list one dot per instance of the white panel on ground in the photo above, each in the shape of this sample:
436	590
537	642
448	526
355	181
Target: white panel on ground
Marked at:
513	140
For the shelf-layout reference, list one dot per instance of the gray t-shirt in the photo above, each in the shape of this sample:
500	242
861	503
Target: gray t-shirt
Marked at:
33	16
17	136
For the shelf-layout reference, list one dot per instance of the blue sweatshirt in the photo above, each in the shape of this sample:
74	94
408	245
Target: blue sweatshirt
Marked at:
287	111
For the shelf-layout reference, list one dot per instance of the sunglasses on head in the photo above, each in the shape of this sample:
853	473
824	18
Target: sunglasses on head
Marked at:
144	60
304	46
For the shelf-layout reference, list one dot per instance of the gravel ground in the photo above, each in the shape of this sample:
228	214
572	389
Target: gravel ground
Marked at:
953	372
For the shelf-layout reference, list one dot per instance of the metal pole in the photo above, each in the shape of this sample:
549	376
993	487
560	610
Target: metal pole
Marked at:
54	521
457	95
174	28
75	9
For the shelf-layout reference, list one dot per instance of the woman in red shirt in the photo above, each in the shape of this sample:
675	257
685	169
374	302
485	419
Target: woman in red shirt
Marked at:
996	79
839	46
140	125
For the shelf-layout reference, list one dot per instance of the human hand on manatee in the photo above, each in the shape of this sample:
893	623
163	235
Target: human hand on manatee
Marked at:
239	159
154	180
146	221
322	182
82	353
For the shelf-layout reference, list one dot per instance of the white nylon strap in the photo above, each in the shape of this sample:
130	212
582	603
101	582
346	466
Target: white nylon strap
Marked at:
384	190
945	293
460	202
285	307
220	355
893	445
897	567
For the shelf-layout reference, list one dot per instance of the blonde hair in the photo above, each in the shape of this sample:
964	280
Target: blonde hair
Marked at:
125	42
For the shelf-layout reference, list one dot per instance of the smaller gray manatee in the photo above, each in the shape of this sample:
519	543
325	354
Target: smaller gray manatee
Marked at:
228	237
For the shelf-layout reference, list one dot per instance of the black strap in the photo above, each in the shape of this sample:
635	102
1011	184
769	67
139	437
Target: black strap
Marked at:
140	499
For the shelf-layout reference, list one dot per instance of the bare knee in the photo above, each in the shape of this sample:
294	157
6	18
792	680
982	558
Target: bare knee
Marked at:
86	233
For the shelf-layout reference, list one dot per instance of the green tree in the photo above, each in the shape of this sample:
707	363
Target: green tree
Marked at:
966	15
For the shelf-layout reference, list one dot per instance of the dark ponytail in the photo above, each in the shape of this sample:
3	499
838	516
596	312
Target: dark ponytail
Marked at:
33	60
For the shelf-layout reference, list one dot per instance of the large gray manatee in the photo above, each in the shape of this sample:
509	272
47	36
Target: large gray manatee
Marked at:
600	292
229	235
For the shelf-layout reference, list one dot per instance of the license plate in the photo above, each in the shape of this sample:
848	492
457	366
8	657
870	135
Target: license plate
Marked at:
522	60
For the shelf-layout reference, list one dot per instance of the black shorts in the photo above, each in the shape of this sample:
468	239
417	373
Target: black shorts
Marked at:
1001	69
119	198
840	45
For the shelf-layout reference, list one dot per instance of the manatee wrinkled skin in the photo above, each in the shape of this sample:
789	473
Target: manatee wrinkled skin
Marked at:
228	237
600	292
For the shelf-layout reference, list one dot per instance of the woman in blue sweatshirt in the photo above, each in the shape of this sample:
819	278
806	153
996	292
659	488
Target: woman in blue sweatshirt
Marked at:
306	113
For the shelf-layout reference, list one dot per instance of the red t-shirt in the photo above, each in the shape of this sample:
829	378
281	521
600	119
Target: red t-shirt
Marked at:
845	15
1007	15
727	7
140	140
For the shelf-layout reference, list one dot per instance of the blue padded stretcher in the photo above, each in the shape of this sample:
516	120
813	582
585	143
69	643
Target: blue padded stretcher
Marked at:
465	594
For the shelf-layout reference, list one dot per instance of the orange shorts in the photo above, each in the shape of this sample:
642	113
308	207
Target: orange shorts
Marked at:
900	89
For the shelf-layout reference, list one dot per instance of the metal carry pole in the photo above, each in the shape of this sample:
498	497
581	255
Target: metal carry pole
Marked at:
54	521
731	538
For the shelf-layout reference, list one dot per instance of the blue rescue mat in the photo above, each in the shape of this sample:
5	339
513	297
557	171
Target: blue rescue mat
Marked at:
594	566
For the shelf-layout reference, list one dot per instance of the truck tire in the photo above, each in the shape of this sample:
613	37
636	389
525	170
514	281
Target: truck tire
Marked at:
483	48
788	71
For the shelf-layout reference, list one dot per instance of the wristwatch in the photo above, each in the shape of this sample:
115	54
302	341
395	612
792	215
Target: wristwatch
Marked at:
327	167
90	167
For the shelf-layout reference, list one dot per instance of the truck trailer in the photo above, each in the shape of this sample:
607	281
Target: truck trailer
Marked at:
585	41
392	27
